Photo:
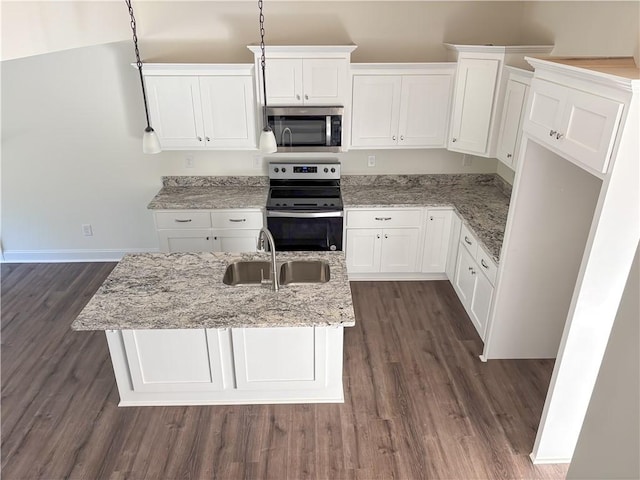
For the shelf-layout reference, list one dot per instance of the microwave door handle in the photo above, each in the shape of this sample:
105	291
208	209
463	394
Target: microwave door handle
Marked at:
327	139
284	131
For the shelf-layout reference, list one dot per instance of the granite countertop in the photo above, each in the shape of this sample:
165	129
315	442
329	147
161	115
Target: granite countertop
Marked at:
482	200
185	290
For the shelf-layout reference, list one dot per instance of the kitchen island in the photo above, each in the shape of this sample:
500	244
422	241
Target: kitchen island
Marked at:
179	336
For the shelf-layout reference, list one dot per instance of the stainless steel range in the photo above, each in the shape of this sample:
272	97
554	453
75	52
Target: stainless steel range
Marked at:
304	206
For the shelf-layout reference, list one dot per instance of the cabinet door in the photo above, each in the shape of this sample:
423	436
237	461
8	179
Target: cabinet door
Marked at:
464	281
399	250
436	241
510	124
481	302
284	81
588	128
324	81
235	240
188	240
175	109
454	239
476	84
363	250
168	360
424	110
546	105
280	358
228	109
376	110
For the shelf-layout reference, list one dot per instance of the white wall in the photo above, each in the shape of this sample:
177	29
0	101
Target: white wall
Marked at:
609	441
72	120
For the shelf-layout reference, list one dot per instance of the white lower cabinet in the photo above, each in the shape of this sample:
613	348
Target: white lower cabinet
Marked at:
234	230
436	240
383	240
228	365
474	280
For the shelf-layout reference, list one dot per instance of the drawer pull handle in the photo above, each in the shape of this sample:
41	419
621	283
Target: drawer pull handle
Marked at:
483	263
509	155
473	272
383	219
237	220
179	220
471	269
454	140
467	241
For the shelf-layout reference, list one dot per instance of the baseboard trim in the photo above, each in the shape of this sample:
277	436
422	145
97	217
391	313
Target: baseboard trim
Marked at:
547	461
64	256
382	277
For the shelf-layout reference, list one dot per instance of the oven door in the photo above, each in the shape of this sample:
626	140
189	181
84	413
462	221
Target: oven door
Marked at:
311	231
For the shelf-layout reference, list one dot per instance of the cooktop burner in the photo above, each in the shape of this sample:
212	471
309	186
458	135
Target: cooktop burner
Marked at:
304	186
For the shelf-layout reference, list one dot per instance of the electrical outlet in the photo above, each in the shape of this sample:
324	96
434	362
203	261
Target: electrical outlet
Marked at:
466	160
87	231
188	161
257	161
371	161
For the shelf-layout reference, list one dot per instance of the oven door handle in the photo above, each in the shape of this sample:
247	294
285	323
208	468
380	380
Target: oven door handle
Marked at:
304	214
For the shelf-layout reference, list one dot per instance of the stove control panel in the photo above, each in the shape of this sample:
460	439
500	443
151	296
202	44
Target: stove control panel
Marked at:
304	171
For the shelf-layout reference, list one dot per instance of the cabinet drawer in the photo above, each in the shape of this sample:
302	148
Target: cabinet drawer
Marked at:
469	240
487	265
183	219
237	219
383	218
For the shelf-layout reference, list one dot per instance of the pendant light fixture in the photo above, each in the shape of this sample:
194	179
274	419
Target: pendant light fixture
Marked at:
267	138
150	141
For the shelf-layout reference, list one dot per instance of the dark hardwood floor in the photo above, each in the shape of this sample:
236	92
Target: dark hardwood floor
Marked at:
418	402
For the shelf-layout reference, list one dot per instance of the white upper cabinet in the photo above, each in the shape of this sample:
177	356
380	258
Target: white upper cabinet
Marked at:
473	104
578	124
510	131
202	106
401	106
479	93
305	75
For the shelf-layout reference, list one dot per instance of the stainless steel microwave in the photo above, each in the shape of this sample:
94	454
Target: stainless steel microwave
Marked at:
306	129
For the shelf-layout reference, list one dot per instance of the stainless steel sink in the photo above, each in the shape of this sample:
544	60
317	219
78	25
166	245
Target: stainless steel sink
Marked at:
304	271
247	272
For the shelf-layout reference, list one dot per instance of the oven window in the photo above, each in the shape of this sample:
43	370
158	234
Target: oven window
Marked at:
312	234
299	131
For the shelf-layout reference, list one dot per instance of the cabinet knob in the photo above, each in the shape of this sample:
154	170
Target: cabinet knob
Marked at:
378	236
215	238
431	218
386	236
206	238
306	97
401	137
473	272
559	136
471	269
509	155
454	140
297	97
552	133
199	139
393	138
207	139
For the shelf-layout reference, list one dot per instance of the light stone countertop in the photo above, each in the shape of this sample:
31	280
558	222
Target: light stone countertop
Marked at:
185	290
482	200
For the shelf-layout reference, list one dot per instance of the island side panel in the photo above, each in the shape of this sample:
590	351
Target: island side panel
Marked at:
325	354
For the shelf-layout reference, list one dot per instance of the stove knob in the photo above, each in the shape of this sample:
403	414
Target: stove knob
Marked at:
276	169
326	170
333	170
284	169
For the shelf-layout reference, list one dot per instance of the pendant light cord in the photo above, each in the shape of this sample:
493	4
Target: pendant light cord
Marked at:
139	62
262	65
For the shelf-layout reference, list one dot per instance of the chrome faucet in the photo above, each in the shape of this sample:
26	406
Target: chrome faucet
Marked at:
264	232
